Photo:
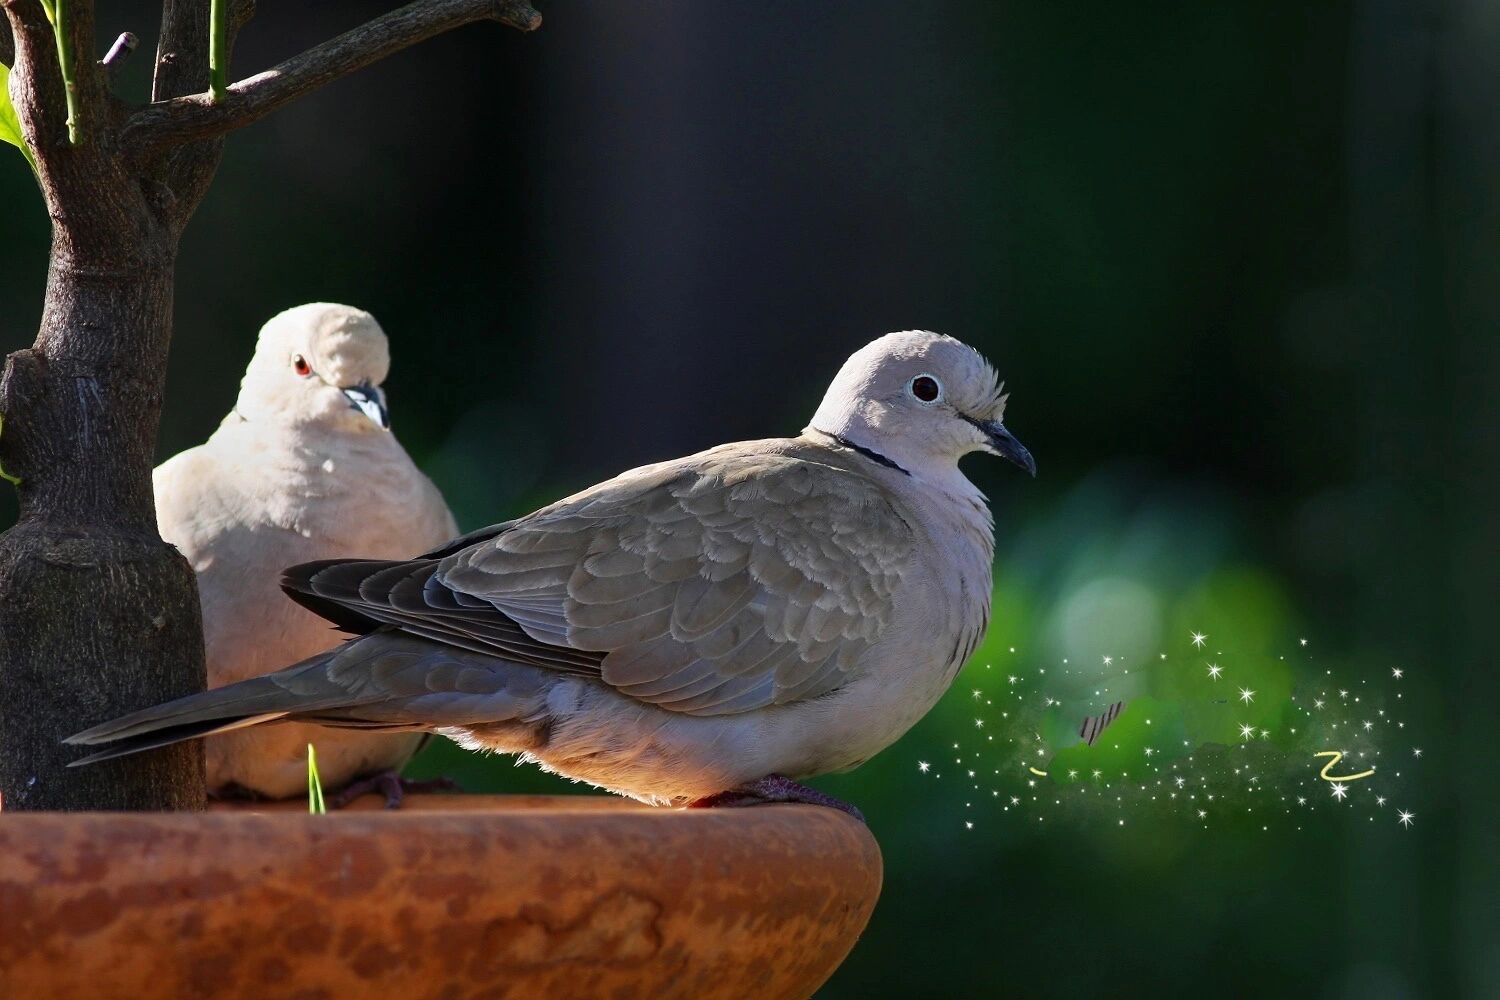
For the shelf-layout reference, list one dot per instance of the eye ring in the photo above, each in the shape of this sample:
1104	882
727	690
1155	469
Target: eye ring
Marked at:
300	366
925	389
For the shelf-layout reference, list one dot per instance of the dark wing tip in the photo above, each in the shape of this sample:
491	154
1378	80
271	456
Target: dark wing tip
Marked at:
315	586
462	542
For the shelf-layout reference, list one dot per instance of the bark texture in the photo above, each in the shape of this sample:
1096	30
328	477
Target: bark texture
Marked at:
98	616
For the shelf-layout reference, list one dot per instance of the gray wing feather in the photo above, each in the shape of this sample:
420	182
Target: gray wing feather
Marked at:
721	584
720	587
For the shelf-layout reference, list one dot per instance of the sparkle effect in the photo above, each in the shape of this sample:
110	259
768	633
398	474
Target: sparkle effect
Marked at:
1299	743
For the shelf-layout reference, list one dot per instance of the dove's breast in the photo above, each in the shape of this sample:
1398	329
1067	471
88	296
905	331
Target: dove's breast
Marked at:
942	611
241	512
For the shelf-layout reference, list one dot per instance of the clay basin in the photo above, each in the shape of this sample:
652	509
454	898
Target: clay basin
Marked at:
454	897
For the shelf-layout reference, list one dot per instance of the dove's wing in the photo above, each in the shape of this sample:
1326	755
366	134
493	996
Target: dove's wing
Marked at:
464	541
721	584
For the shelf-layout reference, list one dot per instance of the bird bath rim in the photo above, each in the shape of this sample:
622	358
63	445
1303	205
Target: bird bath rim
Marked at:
469	894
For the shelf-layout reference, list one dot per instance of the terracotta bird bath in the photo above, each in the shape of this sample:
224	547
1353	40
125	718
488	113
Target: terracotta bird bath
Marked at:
454	896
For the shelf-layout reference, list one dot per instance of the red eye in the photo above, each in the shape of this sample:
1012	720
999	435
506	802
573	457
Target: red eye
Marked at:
300	365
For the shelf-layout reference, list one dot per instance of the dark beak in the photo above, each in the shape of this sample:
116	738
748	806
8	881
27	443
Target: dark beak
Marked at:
1004	444
370	401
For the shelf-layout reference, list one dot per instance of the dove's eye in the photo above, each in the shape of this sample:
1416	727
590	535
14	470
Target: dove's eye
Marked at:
300	365
925	389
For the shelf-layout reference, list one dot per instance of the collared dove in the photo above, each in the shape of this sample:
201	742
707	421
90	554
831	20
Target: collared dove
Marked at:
701	631
304	467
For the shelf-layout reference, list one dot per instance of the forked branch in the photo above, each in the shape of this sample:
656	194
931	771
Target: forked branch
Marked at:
198	116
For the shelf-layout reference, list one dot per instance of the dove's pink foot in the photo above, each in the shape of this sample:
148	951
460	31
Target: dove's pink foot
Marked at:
774	788
392	786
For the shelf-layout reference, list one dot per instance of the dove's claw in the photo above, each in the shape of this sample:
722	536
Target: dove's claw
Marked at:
774	788
392	786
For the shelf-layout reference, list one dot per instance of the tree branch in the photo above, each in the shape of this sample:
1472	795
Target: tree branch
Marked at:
183	119
182	69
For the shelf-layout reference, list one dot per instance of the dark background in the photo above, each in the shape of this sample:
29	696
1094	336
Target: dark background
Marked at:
1237	261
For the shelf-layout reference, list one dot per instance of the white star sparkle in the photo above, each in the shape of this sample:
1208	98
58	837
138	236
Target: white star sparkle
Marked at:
1397	672
923	766
1339	791
1246	695
1405	818
1199	639
1214	670
1416	751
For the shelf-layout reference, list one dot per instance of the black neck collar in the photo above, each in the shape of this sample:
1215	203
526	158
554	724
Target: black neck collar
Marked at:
872	455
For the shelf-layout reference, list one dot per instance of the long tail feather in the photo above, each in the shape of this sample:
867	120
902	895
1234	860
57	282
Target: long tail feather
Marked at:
128	745
248	703
388	681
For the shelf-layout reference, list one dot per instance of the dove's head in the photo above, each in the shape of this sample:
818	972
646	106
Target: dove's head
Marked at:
920	401
319	364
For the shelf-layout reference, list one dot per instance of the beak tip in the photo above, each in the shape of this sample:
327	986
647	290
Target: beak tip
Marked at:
371	403
1006	446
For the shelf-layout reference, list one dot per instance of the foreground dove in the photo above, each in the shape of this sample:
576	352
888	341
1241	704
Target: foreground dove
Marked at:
701	631
305	466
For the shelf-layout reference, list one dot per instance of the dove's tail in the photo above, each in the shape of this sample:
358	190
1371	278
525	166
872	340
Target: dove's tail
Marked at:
247	703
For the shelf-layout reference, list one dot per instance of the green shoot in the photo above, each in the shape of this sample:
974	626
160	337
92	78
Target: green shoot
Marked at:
315	804
57	13
218	49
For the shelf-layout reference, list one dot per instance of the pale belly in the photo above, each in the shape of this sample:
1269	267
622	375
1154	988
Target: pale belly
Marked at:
251	628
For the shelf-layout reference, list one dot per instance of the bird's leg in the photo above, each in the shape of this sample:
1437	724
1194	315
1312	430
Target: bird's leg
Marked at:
774	788
390	784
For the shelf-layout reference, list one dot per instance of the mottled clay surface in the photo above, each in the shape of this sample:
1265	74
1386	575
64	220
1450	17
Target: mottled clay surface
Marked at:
453	897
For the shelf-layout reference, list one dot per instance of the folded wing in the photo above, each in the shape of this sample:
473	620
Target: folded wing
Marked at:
726	584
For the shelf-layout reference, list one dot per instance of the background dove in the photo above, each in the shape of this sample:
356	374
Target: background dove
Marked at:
697	631
304	467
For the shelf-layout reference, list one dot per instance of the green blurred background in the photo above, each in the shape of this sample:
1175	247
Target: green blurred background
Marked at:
1237	261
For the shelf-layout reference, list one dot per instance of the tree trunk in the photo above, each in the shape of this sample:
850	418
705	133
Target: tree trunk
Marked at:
98	616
